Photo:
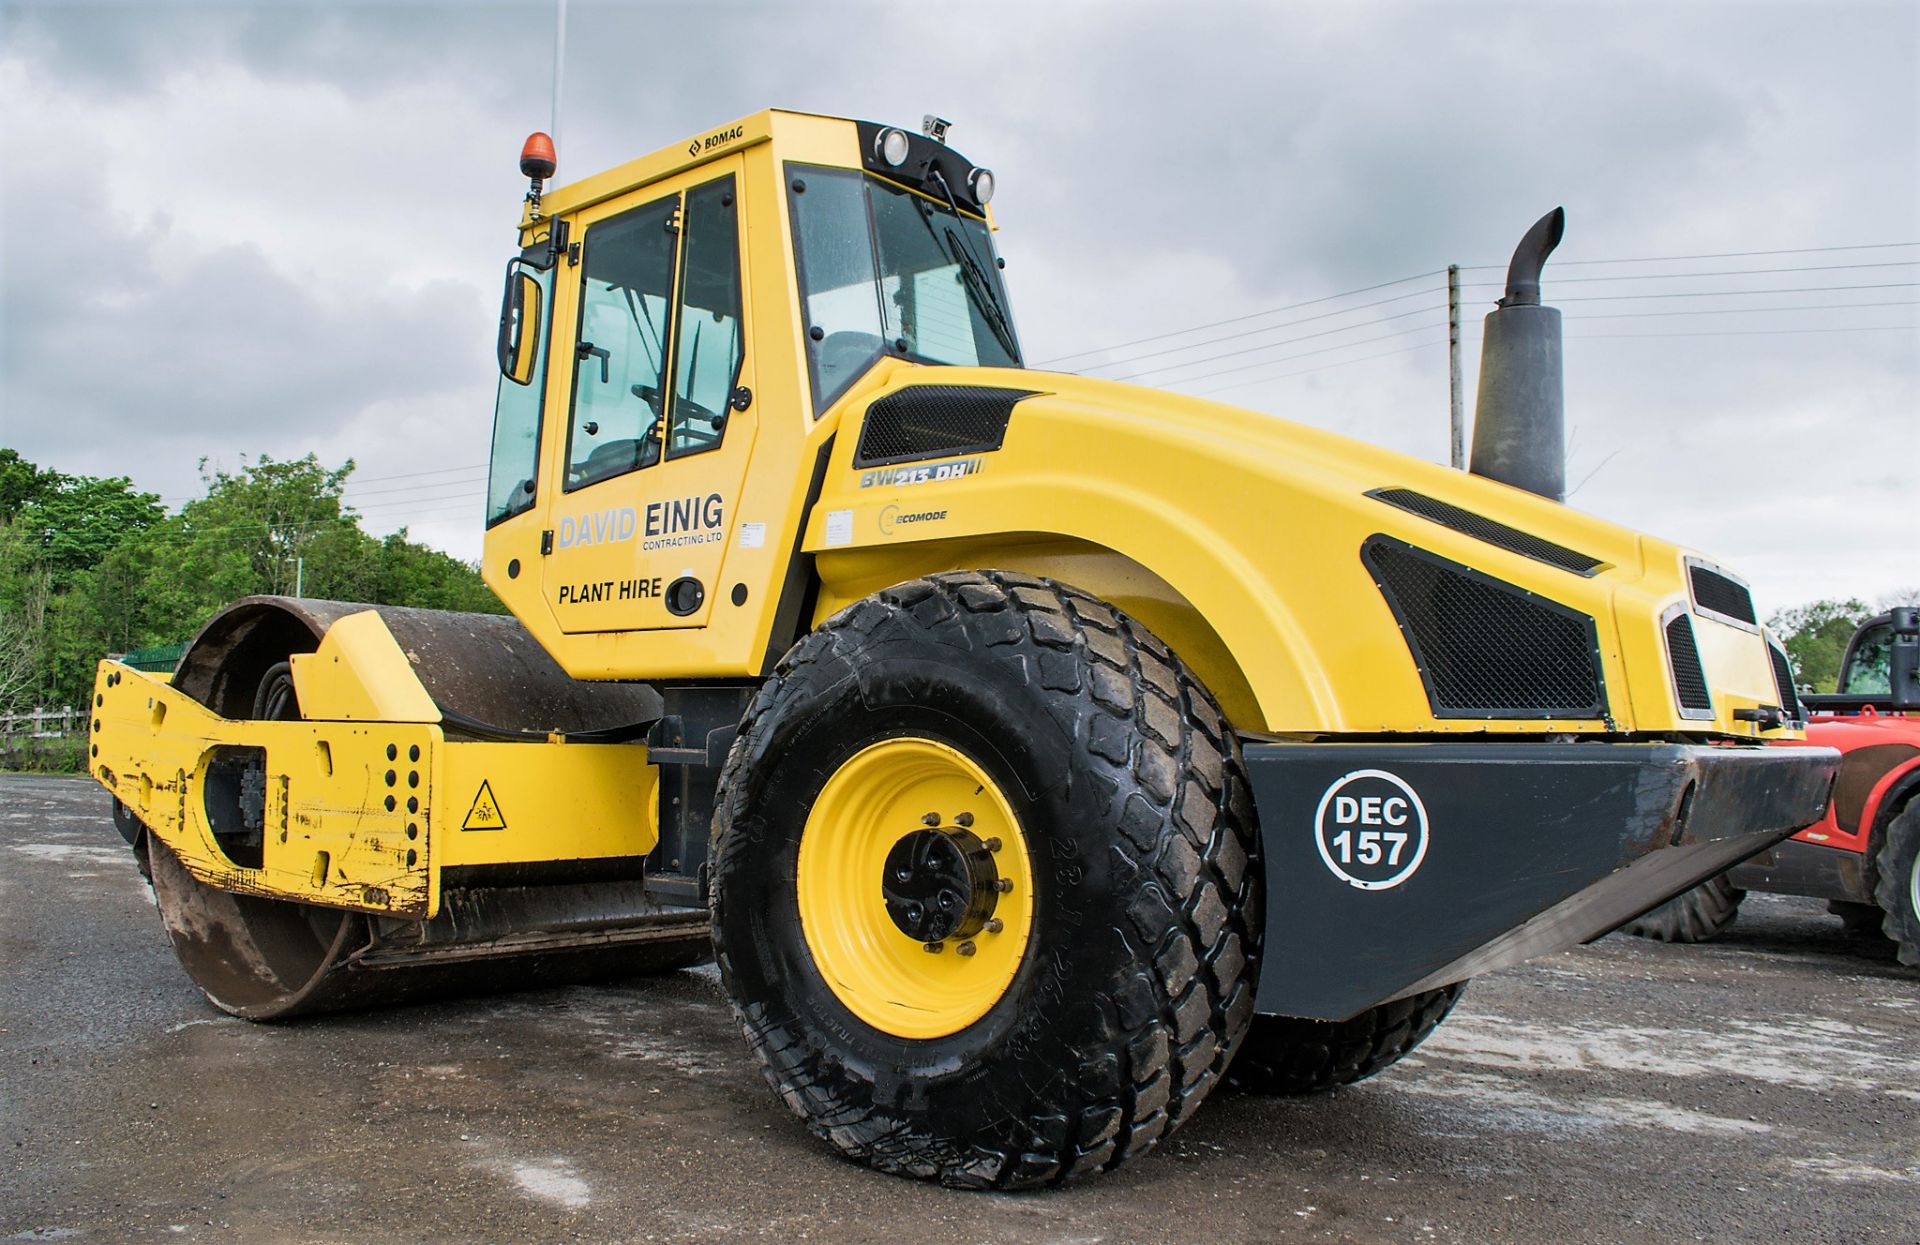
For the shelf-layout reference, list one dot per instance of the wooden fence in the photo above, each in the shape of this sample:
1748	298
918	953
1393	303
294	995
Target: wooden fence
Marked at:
43	739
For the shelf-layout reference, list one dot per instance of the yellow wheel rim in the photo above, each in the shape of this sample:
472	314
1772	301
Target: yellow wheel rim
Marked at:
885	975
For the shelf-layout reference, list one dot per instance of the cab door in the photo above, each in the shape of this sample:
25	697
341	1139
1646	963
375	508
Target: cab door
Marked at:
659	421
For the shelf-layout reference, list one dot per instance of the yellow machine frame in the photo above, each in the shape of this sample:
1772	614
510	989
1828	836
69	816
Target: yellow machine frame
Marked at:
1223	530
1214	525
368	802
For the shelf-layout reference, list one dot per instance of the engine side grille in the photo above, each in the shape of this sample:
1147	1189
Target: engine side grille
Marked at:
1485	648
1683	659
929	421
1783	682
1478	526
1714	593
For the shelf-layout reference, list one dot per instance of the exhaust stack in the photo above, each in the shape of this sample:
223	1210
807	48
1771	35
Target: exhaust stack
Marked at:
1519	422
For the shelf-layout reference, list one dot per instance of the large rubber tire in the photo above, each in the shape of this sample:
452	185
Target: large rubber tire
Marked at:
1698	915
1857	918
1136	984
1898	889
1292	1055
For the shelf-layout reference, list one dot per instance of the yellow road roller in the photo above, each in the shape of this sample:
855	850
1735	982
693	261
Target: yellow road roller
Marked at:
1031	752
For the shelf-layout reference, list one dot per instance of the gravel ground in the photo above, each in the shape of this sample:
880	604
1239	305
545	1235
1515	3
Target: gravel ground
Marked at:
1765	1087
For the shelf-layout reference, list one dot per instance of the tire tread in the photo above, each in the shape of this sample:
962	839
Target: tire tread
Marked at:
1144	726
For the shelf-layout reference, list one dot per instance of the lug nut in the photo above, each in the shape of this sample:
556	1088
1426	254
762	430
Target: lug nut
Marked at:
995	925
931	819
992	844
933	948
964	819
1003	885
965	948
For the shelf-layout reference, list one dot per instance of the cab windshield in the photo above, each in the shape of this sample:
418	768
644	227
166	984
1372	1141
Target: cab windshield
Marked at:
885	270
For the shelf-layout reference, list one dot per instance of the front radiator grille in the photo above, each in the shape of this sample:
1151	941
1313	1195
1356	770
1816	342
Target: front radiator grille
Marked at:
1683	659
931	421
1783	682
1723	595
1480	527
1485	648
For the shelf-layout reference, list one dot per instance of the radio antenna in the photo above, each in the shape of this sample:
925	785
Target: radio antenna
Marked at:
559	65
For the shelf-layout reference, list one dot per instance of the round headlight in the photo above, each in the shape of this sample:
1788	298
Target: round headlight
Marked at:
981	182
893	147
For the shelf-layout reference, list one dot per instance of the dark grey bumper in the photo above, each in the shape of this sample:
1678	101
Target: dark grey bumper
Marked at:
1397	868
1793	867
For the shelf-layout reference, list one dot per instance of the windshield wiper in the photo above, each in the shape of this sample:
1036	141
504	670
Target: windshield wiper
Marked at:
977	279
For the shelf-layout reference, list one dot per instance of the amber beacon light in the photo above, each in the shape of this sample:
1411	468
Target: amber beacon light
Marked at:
537	163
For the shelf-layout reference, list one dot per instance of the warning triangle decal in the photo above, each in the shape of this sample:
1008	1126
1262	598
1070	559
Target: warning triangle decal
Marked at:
485	813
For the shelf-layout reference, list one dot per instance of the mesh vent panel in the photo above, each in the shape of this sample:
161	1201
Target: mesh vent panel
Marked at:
1480	527
928	421
1783	682
1683	658
1487	649
1716	592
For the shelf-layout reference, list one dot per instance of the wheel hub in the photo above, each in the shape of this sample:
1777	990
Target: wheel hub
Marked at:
939	940
940	884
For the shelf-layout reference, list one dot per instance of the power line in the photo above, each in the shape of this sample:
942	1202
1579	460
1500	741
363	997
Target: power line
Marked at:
1803	289
1324	367
1229	354
421	492
1665	259
1252	315
1737	311
1856	328
1725	272
1228	371
1271	328
355	491
1648	259
355	484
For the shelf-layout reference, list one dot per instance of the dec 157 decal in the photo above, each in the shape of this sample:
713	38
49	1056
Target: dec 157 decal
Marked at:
1371	829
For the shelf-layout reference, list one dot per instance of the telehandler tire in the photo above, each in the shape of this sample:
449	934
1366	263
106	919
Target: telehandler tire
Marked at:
1292	1055
1863	919
1698	915
1049	769
1898	889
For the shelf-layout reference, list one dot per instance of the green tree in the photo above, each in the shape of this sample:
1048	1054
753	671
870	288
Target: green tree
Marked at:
90	567
275	512
19	483
1816	635
73	521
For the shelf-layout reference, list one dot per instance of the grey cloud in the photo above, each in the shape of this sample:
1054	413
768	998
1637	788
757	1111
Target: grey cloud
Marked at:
1159	166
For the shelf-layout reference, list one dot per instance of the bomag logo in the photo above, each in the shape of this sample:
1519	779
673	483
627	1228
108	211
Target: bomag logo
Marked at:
718	139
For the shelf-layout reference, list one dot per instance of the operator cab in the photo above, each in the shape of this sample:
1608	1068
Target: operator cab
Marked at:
1881	667
705	310
896	259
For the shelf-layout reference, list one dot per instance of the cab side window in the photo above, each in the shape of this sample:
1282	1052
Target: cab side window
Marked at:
708	346
626	294
1870	673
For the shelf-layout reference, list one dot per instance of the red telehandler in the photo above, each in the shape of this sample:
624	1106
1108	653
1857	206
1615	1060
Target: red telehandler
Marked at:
1861	857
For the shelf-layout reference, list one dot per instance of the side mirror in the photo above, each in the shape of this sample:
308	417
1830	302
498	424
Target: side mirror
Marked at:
520	312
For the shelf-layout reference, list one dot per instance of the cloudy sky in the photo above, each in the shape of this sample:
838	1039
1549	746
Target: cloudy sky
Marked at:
235	229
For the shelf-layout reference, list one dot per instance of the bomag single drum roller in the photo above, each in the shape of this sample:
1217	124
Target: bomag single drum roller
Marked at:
1031	752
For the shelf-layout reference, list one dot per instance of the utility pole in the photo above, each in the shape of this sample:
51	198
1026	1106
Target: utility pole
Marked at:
299	569
1457	422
